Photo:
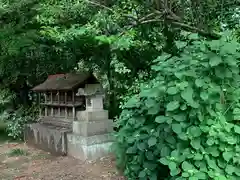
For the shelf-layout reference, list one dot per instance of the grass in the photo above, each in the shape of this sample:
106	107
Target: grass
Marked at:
41	156
18	152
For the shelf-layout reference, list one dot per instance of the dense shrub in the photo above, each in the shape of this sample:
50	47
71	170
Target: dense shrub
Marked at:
186	118
18	119
15	118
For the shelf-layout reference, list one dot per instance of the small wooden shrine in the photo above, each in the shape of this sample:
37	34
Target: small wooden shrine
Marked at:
72	120
58	97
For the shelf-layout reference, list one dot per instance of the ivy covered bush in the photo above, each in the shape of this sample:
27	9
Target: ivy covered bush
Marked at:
184	124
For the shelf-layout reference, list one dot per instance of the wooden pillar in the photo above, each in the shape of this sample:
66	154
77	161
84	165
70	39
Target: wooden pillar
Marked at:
66	113
59	108
51	99
73	101
45	97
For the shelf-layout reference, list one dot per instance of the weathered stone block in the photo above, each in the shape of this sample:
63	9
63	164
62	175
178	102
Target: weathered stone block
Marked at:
50	138
91	128
88	148
92	115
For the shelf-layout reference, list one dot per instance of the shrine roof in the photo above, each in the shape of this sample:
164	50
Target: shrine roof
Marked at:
64	82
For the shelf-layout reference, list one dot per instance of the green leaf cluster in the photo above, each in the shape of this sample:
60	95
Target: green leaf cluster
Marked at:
184	122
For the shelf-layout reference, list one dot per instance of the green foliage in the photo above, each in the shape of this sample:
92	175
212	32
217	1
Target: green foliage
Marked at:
186	118
6	98
16	120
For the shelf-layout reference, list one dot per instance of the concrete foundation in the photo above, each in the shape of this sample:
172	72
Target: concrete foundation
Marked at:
88	148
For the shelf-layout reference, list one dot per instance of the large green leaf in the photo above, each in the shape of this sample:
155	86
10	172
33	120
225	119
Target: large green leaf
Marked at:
154	109
187	166
165	151
142	146
229	48
179	117
212	163
198	157
215	60
183	85
204	95
194	131
149	155
164	161
172	90
142	174
172	165
177	128
193	178
228	156
193	36
173	105
162	119
187	95
237	129
132	102
210	141
213	150
196	143
199	82
230	169
152	141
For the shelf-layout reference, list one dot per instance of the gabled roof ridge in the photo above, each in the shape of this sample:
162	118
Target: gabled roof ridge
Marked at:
66	81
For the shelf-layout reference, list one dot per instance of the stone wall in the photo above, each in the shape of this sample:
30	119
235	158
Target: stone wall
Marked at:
49	138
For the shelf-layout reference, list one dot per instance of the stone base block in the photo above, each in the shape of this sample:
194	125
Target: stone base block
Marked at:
49	138
91	128
88	148
92	115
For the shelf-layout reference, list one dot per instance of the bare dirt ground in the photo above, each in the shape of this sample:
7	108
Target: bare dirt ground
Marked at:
38	165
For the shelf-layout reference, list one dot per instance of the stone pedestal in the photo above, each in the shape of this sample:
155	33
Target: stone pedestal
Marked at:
91	138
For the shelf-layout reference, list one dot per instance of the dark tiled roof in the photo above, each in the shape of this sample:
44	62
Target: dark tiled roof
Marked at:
64	81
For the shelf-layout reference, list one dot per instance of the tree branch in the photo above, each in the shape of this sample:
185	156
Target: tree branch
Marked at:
184	26
110	9
147	16
171	17
194	29
99	5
